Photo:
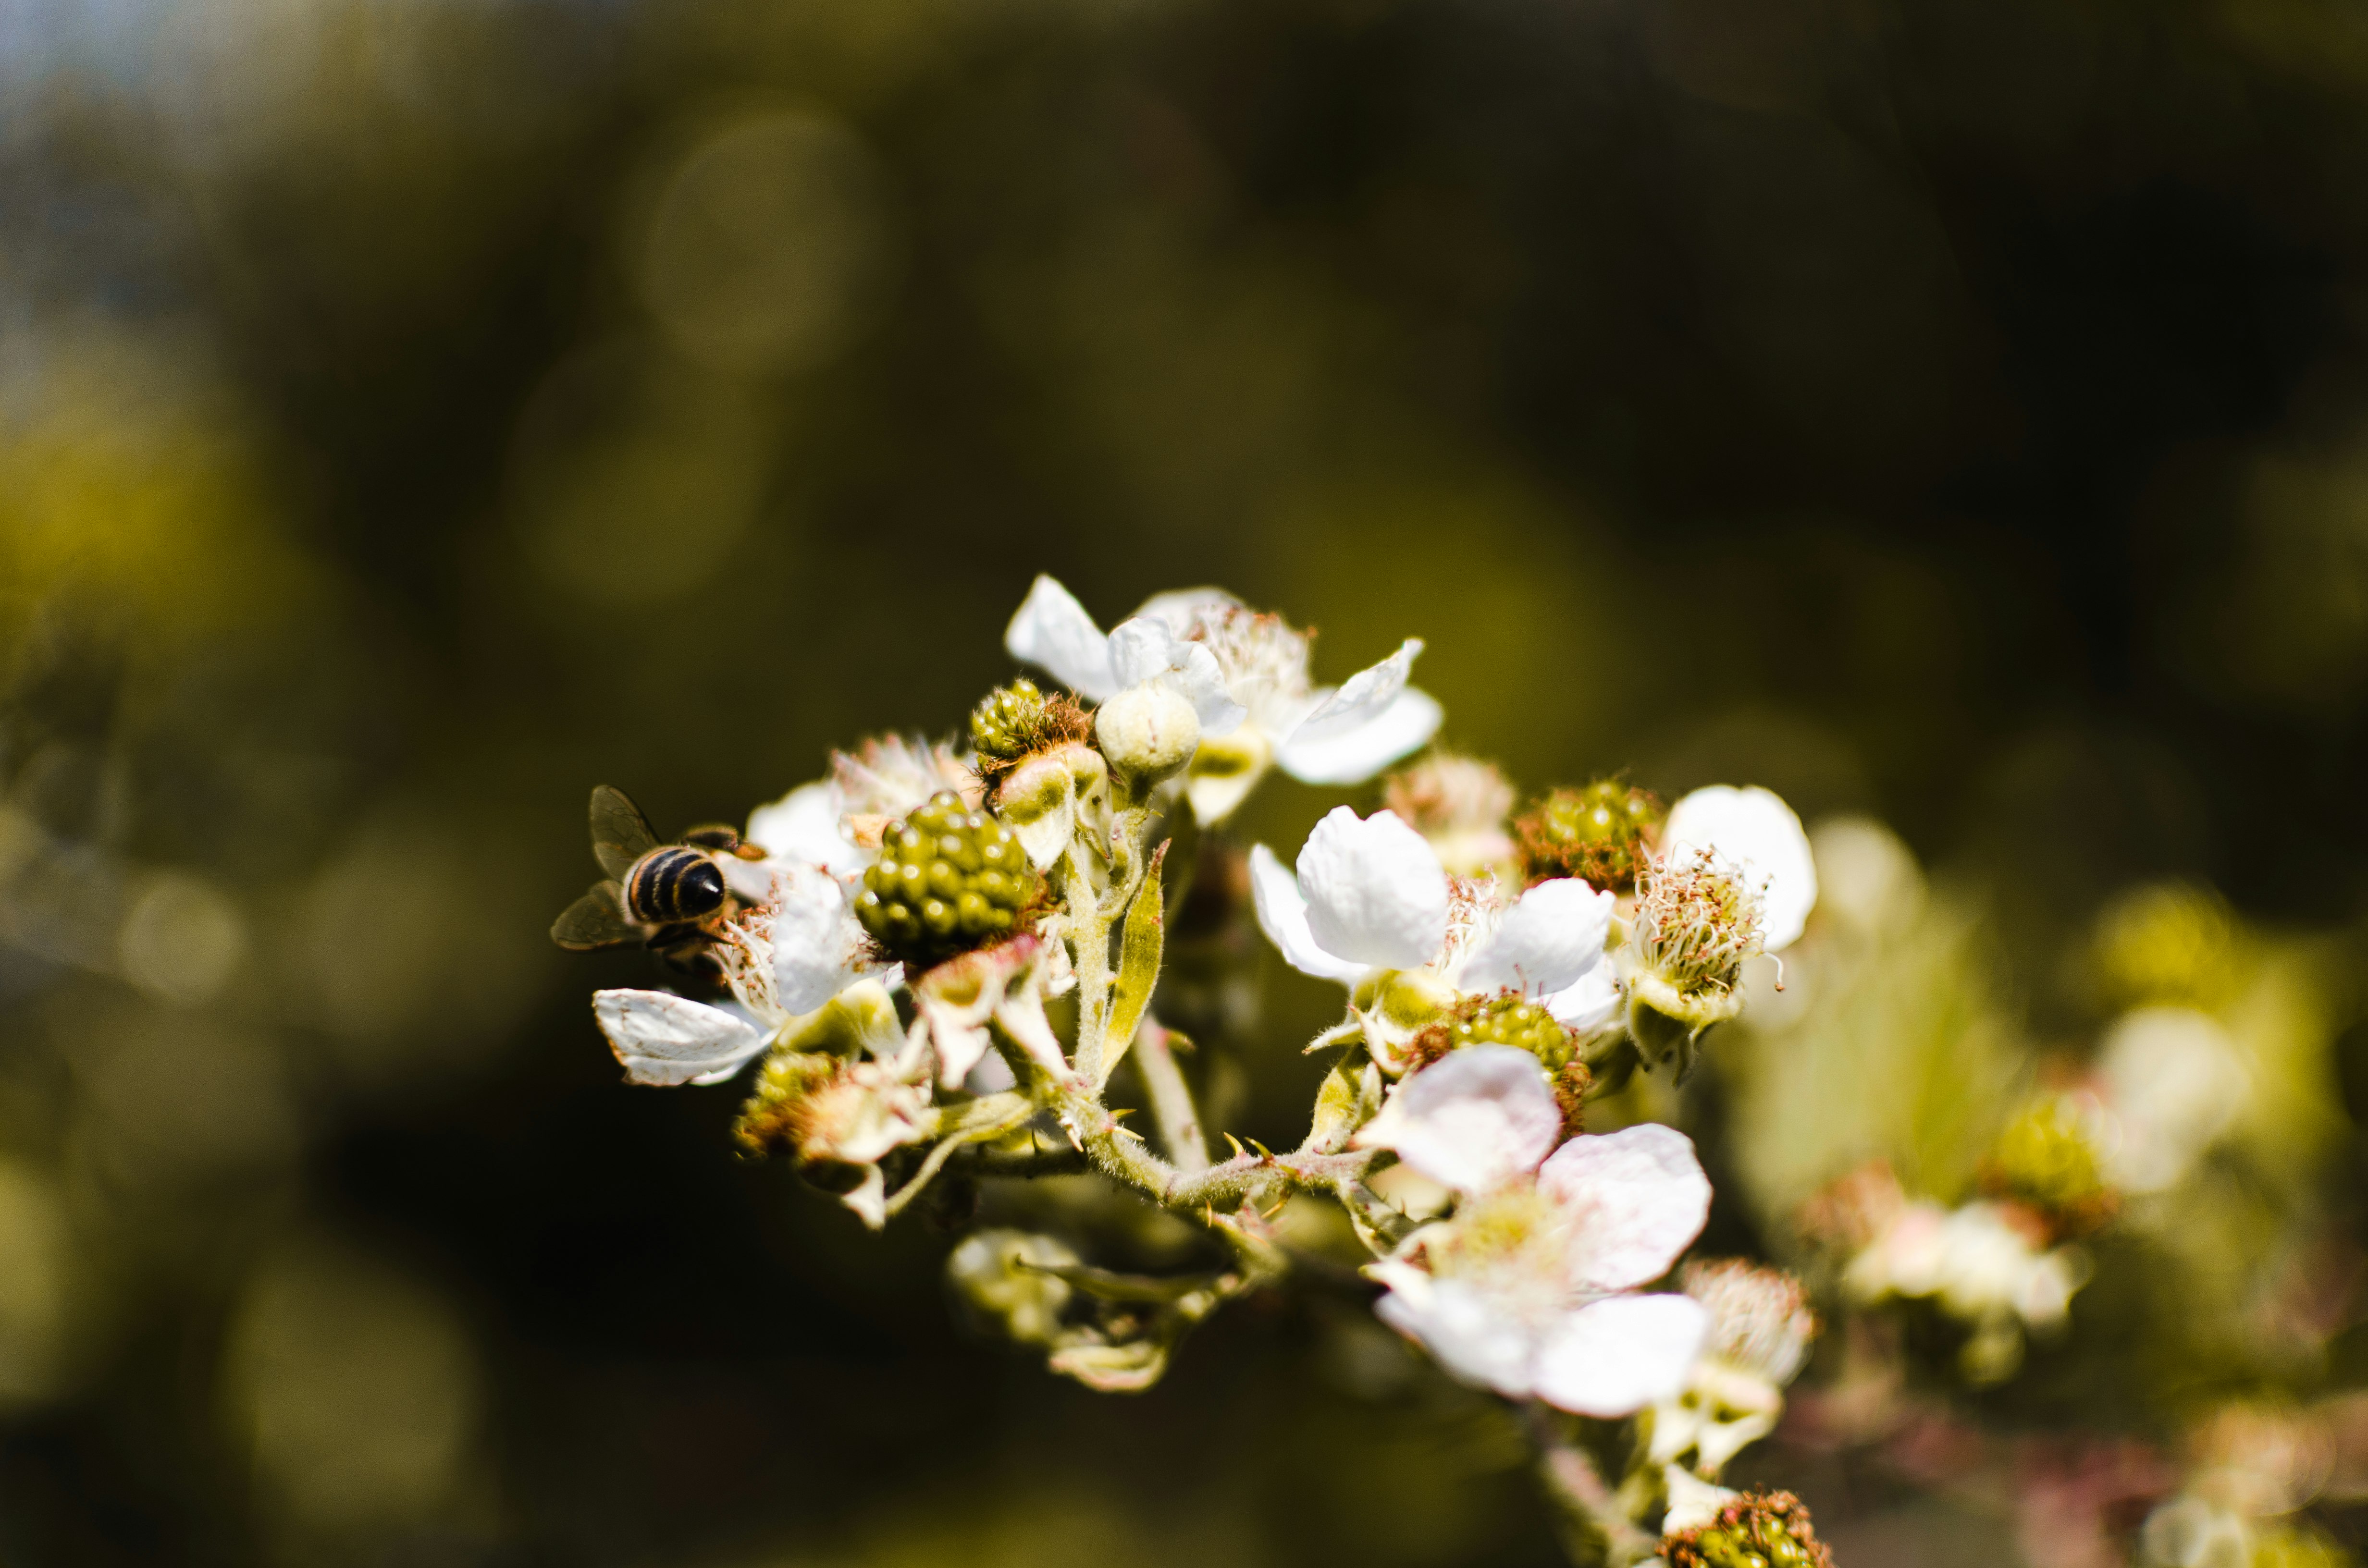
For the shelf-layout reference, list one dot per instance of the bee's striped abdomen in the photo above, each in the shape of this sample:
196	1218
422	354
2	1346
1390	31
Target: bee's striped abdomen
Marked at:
674	884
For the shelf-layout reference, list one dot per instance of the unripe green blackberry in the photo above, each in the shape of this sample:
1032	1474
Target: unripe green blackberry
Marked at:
1602	834
1759	1529
947	880
1502	1019
1506	1020
1016	721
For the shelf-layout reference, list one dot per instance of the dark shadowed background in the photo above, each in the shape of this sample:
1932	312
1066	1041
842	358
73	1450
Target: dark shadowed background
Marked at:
414	411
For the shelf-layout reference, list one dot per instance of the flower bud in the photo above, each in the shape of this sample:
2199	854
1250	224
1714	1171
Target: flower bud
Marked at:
1601	834
1043	799
1148	732
999	1276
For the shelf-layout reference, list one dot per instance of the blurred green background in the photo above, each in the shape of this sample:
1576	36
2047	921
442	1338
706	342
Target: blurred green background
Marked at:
414	412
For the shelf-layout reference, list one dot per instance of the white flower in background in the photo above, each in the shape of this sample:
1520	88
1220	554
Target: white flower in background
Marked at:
2172	1083
1272	714
785	960
1754	830
1980	1266
1461	806
1530	1288
1368	902
1760	1326
835	823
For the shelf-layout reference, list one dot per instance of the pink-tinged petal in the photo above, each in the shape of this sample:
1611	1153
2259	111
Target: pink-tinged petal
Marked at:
1755	829
1639	1198
1612	1358
1468	1333
1353	753
1052	631
1283	916
1473	1120
1375	891
1554	933
664	1039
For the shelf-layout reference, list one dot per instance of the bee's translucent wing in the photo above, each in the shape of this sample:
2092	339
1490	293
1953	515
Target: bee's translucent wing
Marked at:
621	835
595	920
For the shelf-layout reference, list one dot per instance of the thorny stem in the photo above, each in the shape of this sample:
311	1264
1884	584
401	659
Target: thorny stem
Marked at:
1171	1099
1124	1157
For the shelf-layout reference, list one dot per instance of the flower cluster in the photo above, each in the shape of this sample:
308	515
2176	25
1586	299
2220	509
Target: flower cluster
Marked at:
892	938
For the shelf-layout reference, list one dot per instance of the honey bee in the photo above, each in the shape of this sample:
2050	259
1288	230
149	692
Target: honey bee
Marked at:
671	898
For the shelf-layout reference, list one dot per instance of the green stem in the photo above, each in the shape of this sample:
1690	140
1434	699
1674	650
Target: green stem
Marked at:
1126	1158
1171	1098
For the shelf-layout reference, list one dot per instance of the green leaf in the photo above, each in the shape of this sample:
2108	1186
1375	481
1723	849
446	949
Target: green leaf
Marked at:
1138	965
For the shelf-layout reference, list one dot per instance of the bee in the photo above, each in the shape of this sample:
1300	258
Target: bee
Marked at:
671	898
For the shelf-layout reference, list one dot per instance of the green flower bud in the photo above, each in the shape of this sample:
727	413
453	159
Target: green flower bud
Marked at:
1148	733
947	880
1759	1529
1601	833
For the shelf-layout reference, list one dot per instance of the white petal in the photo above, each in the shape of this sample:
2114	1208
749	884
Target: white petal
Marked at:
803	826
1471	1336
1473	1121
1353	755
1054	632
1756	830
1143	648
1554	933
1589	1004
1363	697
1181	607
1375	891
1616	1356
1283	916
1147	649
1201	680
664	1039
1641	1200
816	942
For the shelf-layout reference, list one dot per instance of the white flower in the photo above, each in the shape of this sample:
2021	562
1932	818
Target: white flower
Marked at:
1530	1287
1760	1326
1974	1260
2173	1082
785	958
1369	896
1271	715
1753	829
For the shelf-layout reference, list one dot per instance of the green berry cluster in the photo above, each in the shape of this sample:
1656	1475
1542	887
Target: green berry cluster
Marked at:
1759	1529
1601	833
1502	1019
1506	1019
948	880
1018	720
